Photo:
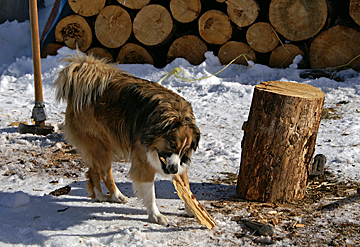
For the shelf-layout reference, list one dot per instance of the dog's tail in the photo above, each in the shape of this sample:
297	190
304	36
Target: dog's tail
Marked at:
83	79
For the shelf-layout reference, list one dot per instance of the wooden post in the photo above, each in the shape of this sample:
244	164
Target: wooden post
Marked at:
279	141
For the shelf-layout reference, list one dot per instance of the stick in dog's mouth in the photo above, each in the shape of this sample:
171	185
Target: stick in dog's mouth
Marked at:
185	194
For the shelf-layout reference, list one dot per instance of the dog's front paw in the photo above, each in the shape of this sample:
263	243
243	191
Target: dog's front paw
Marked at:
158	218
119	198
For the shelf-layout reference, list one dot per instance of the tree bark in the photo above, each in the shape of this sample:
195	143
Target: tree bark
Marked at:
189	47
113	26
279	141
298	19
335	47
284	55
185	11
134	54
152	25
242	12
231	49
262	37
215	27
75	32
100	53
136	4
87	7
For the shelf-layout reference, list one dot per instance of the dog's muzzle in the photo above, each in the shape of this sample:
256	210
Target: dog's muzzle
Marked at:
168	168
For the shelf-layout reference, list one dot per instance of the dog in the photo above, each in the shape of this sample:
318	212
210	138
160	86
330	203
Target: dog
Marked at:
110	112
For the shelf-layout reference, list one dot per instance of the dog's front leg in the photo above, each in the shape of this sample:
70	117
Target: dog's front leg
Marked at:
146	191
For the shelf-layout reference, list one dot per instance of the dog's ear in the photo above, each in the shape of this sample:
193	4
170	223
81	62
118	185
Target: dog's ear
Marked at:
196	137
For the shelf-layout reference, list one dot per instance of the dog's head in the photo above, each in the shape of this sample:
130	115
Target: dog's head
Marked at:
173	141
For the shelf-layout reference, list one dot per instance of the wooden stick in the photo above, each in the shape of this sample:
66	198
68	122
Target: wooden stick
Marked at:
185	194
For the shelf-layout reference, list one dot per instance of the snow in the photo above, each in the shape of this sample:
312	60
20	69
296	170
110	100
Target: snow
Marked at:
30	216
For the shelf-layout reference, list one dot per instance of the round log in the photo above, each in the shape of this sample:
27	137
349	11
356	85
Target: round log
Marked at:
215	27
100	53
354	10
75	32
242	12
132	53
185	10
284	55
279	141
189	47
231	49
298	19
51	49
262	37
152	25
335	47
87	7
113	26
138	4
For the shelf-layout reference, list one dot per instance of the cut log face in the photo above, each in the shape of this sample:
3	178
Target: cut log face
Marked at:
100	53
279	141
354	10
189	47
152	25
51	49
242	12
284	55
185	10
134	54
215	27
136	4
231	49
87	7
335	47
298	19
113	26
75	32
262	37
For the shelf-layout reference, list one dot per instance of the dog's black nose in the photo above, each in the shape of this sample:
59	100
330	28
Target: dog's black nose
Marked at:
173	169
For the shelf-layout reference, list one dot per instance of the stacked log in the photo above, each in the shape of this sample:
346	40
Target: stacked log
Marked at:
325	32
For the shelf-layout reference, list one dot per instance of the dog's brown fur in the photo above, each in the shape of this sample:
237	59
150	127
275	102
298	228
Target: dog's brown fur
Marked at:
110	112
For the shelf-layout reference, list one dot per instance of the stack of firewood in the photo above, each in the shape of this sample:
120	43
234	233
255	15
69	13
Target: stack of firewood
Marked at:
324	32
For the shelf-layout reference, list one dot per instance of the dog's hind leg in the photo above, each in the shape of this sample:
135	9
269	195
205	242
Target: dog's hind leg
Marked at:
94	185
115	194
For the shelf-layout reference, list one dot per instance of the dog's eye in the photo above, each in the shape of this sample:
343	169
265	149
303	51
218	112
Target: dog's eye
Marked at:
173	145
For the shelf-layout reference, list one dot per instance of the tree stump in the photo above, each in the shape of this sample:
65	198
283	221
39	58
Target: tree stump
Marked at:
113	26
284	55
279	141
87	7
100	53
152	25
354	10
137	4
298	19
134	54
334	47
189	47
185	10
231	49
215	27
75	32
242	12
262	37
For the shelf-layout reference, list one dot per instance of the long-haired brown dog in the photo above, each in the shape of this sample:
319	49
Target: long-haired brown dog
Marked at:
110	112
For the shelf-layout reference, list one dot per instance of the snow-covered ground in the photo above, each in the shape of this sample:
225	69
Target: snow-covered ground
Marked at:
33	166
